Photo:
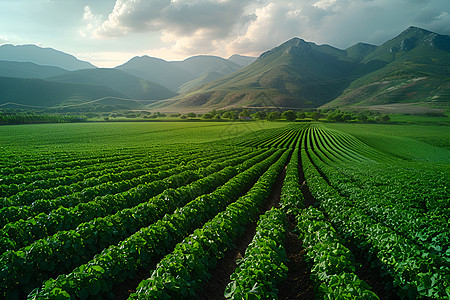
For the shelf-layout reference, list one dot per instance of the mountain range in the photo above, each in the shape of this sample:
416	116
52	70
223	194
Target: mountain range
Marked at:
413	67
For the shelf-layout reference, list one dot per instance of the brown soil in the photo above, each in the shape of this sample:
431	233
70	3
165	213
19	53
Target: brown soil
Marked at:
298	285
381	286
215	287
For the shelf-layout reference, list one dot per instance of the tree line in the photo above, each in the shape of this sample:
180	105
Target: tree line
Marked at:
289	115
14	119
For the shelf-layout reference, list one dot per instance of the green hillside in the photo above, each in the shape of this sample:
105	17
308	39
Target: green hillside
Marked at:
413	68
42	93
158	71
126	84
42	56
295	74
199	81
28	70
410	68
202	64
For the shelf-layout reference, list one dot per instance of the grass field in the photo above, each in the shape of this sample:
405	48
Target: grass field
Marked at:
162	210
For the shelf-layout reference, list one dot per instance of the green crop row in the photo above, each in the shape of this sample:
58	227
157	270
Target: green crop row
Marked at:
67	249
119	195
12	185
37	169
107	184
183	272
263	265
30	203
142	249
291	198
414	270
386	204
23	232
332	263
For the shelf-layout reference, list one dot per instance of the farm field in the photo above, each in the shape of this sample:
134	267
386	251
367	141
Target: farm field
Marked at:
224	211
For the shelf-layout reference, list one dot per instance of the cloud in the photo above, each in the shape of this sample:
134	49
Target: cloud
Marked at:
90	21
3	39
180	17
225	27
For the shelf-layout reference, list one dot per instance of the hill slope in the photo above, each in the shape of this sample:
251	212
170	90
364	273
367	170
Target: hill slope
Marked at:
126	84
157	70
294	74
42	56
28	70
203	64
242	59
412	68
174	74
42	93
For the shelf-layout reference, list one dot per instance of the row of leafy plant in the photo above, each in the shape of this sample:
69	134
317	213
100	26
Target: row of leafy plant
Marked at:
183	272
13	184
332	264
264	263
22	232
291	198
144	248
416	271
59	162
68	249
123	184
391	197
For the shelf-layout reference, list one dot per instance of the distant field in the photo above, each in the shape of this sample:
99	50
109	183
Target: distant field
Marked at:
159	210
104	135
424	142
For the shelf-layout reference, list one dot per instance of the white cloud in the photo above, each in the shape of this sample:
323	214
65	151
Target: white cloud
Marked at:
225	27
181	17
90	21
3	39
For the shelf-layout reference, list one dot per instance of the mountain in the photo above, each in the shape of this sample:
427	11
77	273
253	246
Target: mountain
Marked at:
410	68
199	81
360	50
242	60
42	56
120	81
294	74
157	70
175	74
203	64
42	93
28	70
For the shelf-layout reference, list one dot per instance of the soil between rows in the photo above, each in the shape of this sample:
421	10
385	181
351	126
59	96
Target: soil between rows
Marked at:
215	288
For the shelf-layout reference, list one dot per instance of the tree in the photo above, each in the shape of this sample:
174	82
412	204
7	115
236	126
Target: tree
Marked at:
316	115
362	118
259	115
289	115
385	118
217	117
346	117
273	116
244	114
300	115
191	115
226	115
207	116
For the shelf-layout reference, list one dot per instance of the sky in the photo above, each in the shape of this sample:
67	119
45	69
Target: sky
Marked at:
108	33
